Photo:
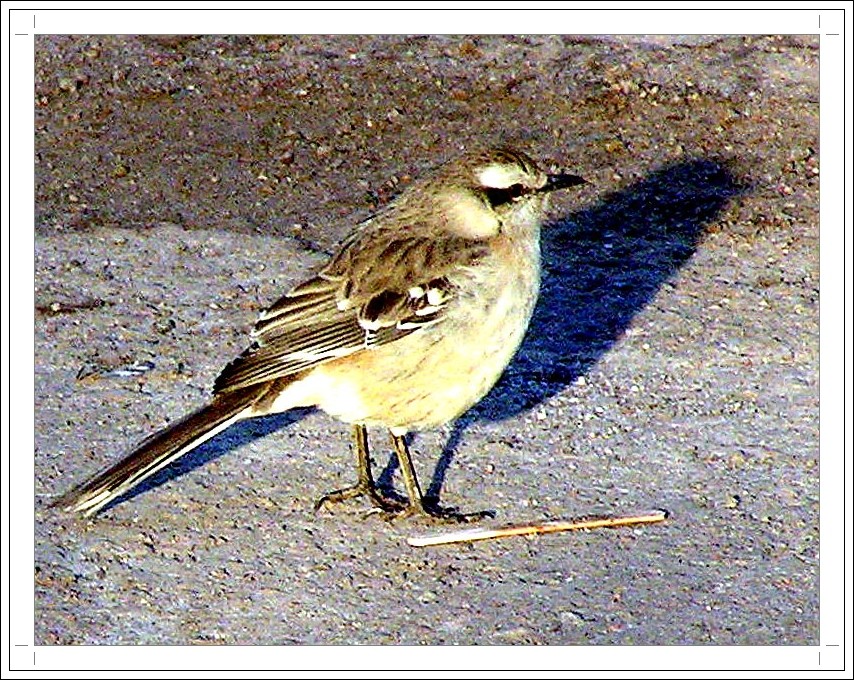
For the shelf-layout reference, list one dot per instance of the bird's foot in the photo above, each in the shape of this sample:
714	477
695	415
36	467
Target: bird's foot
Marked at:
430	508
383	504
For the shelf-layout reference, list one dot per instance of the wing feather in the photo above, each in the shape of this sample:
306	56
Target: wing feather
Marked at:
379	287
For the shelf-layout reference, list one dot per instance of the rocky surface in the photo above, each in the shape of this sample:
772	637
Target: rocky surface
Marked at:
182	183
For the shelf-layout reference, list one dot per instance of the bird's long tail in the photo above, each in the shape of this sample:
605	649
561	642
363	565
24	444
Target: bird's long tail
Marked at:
157	451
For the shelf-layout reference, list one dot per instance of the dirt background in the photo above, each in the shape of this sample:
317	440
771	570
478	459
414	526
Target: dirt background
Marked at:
183	183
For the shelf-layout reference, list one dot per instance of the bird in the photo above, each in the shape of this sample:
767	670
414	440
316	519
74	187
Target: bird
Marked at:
408	325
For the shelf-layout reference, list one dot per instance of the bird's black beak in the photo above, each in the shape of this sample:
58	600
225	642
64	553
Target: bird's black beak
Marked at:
562	181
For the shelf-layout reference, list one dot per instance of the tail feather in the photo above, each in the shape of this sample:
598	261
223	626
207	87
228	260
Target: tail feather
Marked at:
156	452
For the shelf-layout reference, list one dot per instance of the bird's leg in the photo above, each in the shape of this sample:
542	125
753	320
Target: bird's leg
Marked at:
413	490
365	485
417	503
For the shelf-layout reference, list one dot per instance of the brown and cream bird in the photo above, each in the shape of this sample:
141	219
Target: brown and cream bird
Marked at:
409	325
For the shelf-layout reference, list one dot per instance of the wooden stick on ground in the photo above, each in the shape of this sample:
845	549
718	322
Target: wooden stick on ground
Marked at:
481	533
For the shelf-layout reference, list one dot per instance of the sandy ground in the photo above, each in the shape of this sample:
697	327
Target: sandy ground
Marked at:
183	183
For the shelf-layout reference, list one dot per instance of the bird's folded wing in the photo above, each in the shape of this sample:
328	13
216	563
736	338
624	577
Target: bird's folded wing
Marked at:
374	291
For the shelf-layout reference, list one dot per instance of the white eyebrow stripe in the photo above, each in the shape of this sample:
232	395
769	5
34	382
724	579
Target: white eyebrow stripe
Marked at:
498	176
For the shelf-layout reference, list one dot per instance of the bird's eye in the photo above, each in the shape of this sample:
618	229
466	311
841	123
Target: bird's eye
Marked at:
498	197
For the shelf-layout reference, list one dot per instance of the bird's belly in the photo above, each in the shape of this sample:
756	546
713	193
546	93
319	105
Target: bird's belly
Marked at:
430	377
